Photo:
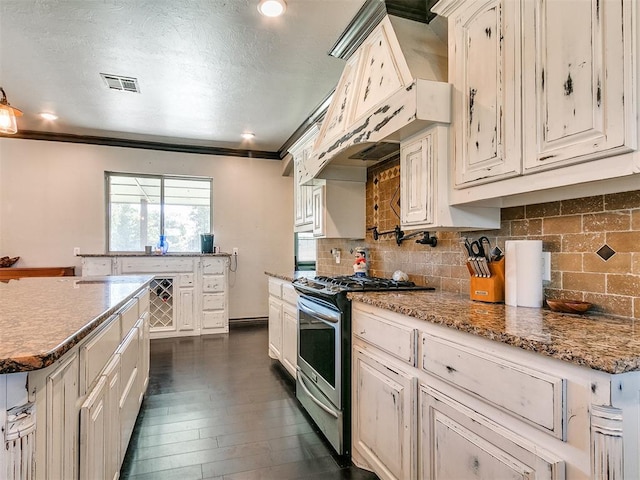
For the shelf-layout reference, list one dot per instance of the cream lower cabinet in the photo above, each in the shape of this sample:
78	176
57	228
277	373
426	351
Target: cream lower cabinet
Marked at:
88	401
430	402
189	295
283	324
384	415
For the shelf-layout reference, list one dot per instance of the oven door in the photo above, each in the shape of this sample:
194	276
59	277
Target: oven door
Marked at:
320	348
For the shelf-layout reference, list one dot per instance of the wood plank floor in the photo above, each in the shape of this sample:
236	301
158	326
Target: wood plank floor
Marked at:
218	407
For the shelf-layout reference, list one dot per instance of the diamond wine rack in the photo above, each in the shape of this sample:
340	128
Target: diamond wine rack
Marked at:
161	303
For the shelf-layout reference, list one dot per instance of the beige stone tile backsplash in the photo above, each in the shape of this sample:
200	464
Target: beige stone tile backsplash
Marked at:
572	230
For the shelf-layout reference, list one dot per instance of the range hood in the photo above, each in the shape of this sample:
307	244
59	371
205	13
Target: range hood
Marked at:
392	87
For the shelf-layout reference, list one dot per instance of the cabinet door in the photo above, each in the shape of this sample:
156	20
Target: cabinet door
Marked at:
275	328
130	385
62	421
290	338
93	432
457	442
96	266
185	309
318	211
143	361
112	433
417	181
384	416
484	56
577	70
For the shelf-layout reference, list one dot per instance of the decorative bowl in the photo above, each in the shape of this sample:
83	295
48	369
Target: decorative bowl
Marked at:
8	261
568	306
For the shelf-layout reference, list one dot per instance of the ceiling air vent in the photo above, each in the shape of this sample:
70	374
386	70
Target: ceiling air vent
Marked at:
118	82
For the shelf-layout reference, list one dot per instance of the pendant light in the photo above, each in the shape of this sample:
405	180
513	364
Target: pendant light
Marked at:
8	115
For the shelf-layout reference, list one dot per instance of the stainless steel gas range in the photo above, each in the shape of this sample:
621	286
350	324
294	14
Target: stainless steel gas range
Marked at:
323	384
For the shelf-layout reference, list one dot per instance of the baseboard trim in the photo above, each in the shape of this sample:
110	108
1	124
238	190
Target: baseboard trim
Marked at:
248	322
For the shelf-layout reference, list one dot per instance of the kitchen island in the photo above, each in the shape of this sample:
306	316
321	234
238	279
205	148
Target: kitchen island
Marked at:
444	387
74	360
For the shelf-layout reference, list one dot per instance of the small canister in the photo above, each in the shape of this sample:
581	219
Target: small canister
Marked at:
206	243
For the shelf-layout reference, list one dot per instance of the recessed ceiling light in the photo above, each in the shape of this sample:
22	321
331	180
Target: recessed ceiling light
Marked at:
49	116
248	135
272	8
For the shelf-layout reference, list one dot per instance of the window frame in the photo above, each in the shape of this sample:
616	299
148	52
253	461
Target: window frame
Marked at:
162	178
303	266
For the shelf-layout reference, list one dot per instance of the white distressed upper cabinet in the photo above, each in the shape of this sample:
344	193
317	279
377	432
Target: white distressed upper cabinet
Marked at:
542	85
577	81
484	68
302	194
424	195
339	209
383	409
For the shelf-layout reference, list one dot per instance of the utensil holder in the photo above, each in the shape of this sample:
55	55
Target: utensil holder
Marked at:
488	289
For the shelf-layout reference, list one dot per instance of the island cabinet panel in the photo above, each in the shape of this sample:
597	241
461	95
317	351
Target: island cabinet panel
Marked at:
94	425
384	416
61	455
577	78
456	442
87	402
486	95
531	395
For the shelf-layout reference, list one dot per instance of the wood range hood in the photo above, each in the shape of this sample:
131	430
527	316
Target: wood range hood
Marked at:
393	86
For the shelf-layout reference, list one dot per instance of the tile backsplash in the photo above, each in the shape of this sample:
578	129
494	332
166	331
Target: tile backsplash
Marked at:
581	235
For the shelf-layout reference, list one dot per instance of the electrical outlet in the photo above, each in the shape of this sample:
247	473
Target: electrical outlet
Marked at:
546	266
76	251
235	250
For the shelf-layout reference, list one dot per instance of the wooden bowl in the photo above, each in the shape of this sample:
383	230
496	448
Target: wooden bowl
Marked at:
8	261
568	306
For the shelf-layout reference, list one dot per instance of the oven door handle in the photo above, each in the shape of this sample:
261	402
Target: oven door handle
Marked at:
316	314
313	398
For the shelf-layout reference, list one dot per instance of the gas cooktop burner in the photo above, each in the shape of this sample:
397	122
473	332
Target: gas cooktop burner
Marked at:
336	285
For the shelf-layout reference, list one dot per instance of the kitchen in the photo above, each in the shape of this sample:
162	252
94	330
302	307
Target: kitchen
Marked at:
576	221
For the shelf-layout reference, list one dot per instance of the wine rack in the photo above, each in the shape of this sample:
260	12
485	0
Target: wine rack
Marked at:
161	308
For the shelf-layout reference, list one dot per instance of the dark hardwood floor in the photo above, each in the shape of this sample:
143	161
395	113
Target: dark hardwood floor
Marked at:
218	407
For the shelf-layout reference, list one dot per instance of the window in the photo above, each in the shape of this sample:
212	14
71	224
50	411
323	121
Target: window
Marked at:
140	208
305	251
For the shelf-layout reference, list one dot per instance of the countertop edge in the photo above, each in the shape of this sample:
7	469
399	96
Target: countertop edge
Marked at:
40	361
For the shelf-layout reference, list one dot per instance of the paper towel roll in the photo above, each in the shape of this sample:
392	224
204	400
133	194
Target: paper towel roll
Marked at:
523	273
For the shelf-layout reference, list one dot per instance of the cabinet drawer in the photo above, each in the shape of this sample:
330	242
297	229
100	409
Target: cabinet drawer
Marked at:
213	301
213	319
143	303
213	283
185	280
275	287
128	318
129	355
96	352
155	264
213	266
396	340
289	294
533	396
96	266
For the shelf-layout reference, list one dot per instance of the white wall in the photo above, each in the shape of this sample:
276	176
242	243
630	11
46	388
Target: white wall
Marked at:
52	199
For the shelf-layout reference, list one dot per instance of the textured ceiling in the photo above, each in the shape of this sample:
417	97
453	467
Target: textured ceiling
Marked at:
207	69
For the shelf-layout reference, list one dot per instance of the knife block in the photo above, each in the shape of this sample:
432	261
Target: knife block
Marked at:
488	289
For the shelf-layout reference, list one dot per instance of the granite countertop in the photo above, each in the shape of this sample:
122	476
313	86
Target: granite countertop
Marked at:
600	342
291	276
168	254
43	318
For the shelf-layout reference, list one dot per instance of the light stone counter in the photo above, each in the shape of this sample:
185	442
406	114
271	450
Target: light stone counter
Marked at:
43	318
604	343
290	277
